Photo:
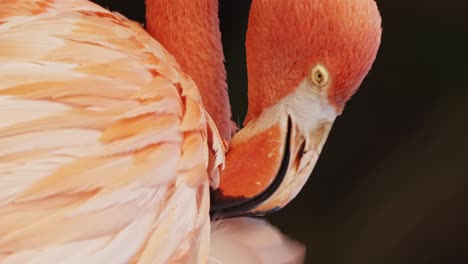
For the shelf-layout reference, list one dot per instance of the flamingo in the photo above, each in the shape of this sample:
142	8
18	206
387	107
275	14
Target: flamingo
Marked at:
111	137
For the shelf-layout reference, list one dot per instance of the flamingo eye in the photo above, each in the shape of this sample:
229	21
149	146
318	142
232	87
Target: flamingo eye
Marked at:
320	76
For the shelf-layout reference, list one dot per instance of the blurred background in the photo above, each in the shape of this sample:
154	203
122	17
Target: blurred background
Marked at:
391	185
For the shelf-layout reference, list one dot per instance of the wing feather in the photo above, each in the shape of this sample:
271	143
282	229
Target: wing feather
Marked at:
104	143
249	240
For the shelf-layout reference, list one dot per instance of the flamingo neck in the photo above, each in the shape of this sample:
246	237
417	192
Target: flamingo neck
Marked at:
189	30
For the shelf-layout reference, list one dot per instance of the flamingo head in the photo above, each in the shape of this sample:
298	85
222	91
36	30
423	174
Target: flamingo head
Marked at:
305	60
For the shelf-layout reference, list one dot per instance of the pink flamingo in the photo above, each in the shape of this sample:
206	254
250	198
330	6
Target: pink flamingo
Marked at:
108	148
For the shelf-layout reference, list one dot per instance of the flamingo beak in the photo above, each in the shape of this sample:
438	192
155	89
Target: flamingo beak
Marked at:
267	165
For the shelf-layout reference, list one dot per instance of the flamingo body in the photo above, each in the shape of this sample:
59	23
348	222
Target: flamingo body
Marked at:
104	154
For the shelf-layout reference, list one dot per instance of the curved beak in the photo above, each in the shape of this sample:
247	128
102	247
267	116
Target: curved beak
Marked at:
267	165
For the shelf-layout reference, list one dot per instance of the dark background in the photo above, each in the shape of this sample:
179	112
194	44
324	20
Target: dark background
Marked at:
391	183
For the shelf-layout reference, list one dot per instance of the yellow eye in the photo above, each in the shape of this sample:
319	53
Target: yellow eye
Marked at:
320	76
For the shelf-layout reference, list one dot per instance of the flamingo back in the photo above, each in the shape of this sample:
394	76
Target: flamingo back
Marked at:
105	147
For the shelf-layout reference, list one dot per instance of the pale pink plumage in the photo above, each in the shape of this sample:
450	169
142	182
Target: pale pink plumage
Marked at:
103	141
252	241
